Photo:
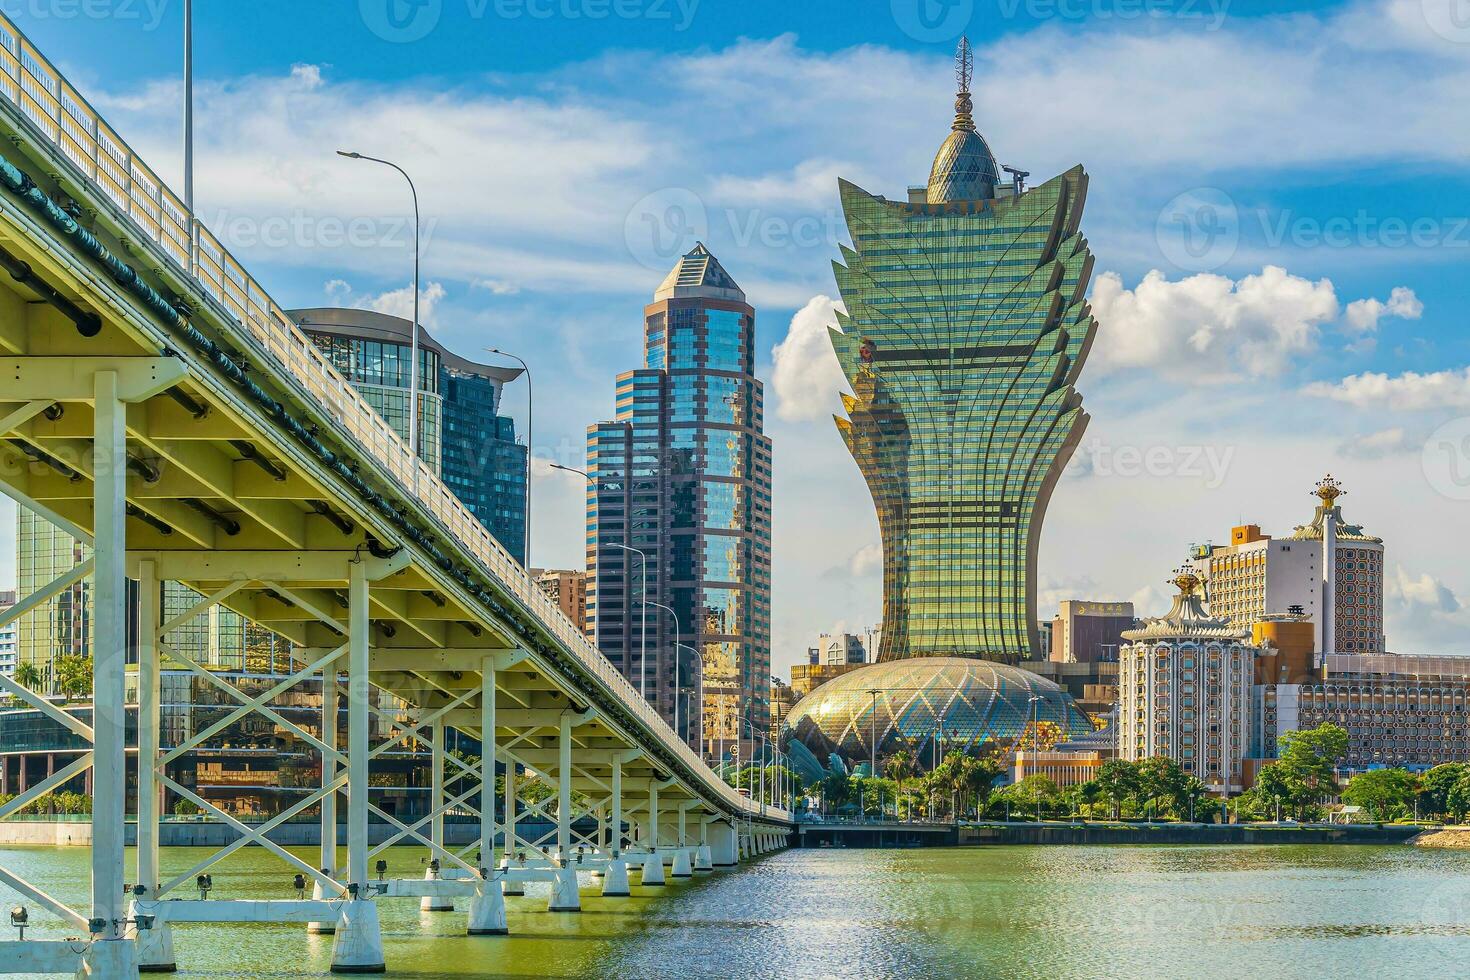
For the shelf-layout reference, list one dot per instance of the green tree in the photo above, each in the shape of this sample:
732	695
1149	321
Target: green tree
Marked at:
1160	781
1384	793
1118	779
1085	796
73	675
1308	761
1273	789
900	766
28	675
1034	792
1434	790
1457	800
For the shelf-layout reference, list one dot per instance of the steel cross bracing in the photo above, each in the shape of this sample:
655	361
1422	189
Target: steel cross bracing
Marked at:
187	431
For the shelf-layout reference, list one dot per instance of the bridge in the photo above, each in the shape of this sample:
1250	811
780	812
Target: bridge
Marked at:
159	406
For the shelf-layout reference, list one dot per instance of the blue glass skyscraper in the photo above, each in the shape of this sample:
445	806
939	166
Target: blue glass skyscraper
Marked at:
679	513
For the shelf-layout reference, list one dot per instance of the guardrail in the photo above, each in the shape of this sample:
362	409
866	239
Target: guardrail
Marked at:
60	113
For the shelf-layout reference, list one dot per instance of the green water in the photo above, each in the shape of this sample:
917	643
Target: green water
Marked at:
1195	912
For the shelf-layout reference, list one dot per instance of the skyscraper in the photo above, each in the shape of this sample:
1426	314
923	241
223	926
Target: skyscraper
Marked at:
679	512
965	329
462	434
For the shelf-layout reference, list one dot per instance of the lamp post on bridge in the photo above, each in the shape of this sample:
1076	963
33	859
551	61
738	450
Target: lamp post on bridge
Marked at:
530	441
413	345
676	644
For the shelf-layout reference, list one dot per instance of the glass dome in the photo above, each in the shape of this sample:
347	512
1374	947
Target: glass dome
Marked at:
959	702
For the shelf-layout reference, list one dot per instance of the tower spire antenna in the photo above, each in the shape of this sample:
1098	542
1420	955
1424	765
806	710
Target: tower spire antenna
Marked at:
964	71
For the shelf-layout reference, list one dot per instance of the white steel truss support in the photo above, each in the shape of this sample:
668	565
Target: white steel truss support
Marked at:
149	716
487	763
109	656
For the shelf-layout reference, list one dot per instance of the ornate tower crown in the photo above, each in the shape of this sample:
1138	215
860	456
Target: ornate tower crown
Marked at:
1328	490
1185	580
964	106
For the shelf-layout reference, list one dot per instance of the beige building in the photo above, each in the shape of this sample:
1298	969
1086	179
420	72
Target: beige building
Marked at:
1184	683
568	589
1085	631
1257	576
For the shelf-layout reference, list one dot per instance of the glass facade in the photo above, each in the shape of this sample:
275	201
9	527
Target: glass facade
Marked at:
461	431
965	329
483	463
683	475
929	705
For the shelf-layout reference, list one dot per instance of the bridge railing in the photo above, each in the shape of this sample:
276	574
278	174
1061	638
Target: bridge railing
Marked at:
68	121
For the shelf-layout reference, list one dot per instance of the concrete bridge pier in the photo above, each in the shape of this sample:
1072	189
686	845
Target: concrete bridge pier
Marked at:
615	879
487	910
358	944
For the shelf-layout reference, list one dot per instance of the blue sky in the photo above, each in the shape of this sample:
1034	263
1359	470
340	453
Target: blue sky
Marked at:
1279	206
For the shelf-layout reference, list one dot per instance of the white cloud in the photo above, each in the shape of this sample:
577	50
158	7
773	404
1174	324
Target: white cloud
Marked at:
1407	392
1362	315
1209	327
1377	445
810	184
1425	593
394	302
806	377
866	560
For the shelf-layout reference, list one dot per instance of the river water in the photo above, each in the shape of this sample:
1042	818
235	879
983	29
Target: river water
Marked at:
1046	912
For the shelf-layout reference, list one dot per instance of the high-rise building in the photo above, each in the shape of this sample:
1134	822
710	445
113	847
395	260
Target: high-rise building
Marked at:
966	327
1255	577
9	650
1184	682
568	589
1087	632
679	512
462	434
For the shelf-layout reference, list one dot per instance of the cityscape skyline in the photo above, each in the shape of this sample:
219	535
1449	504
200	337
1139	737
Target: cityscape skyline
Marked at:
1210	452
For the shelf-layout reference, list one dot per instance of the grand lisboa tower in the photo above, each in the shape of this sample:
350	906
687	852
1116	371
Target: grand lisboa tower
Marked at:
965	329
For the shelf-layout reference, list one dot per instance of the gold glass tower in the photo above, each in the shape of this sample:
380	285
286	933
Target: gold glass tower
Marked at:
964	332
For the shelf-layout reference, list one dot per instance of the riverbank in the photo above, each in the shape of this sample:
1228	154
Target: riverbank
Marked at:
901	835
1453	837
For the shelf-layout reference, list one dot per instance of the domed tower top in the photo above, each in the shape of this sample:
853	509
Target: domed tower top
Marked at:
964	168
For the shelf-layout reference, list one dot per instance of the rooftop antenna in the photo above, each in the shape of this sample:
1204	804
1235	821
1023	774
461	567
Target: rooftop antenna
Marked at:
964	68
1018	177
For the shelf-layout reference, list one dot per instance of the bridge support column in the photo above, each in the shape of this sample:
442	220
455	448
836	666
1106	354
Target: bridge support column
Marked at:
511	845
653	867
436	903
156	945
487	908
724	851
702	858
328	856
564	896
359	942
108	959
683	858
109	658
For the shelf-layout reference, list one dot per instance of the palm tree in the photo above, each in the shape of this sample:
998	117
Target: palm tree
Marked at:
900	766
28	675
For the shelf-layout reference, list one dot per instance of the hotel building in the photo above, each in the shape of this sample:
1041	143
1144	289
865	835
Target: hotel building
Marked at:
1184	683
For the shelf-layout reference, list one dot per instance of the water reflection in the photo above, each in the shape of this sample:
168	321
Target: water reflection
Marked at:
1052	912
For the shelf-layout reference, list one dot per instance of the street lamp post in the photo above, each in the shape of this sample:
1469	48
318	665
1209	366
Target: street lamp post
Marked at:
530	437
1035	749
413	367
643	579
677	631
873	748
